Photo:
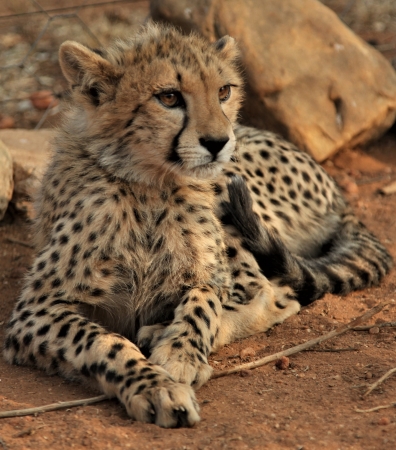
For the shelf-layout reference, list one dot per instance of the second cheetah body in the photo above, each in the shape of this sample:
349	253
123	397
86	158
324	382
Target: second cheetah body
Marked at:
141	222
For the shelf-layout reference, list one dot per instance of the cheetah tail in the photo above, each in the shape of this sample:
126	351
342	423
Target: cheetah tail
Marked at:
354	259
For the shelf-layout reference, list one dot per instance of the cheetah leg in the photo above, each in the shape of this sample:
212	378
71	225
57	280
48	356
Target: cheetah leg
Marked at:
57	338
270	306
186	344
256	304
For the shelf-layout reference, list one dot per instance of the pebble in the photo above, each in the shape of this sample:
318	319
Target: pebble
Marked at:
384	421
41	100
282	363
248	351
245	373
6	122
374	330
349	186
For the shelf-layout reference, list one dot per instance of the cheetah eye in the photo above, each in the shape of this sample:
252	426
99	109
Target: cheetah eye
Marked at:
224	93
172	99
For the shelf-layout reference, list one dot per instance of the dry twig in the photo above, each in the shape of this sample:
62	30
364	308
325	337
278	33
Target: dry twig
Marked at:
335	350
378	382
298	348
52	407
376	408
379	325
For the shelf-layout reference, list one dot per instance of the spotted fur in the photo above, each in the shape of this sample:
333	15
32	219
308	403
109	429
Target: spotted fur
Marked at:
141	245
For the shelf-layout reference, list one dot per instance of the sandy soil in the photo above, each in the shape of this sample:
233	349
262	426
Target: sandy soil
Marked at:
310	405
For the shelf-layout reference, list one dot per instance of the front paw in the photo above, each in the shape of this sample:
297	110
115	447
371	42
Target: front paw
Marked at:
148	337
185	365
161	401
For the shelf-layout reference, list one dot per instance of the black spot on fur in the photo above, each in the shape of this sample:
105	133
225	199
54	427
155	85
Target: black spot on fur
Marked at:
264	154
25	315
41	265
199	312
63	240
43	330
187	318
78	336
231	252
229	308
64	331
37	284
130	363
114	350
27	339
43	347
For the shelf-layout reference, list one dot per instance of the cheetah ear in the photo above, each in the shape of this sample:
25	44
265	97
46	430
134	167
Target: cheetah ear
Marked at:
227	47
80	65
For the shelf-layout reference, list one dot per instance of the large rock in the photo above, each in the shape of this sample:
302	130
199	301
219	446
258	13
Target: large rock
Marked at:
308	76
6	180
30	151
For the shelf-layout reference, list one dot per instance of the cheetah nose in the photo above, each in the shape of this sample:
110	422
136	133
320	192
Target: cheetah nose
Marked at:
213	146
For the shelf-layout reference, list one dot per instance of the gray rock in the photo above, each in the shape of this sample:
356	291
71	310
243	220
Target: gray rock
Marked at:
308	76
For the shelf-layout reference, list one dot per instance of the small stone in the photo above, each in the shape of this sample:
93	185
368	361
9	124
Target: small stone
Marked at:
248	351
351	187
384	421
368	375
374	330
282	363
42	100
6	122
348	185
245	373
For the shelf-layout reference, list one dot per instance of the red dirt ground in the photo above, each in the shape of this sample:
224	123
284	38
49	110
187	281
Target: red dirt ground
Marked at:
310	405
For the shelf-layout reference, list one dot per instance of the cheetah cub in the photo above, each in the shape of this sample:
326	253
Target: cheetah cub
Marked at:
156	237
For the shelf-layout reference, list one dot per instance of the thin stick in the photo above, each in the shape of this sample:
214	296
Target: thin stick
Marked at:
53	407
16	241
298	348
379	325
378	382
376	408
336	350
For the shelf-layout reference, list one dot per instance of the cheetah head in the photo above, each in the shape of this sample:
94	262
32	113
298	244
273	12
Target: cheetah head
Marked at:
159	104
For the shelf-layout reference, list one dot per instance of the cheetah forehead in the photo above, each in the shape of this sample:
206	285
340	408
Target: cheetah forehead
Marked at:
165	46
